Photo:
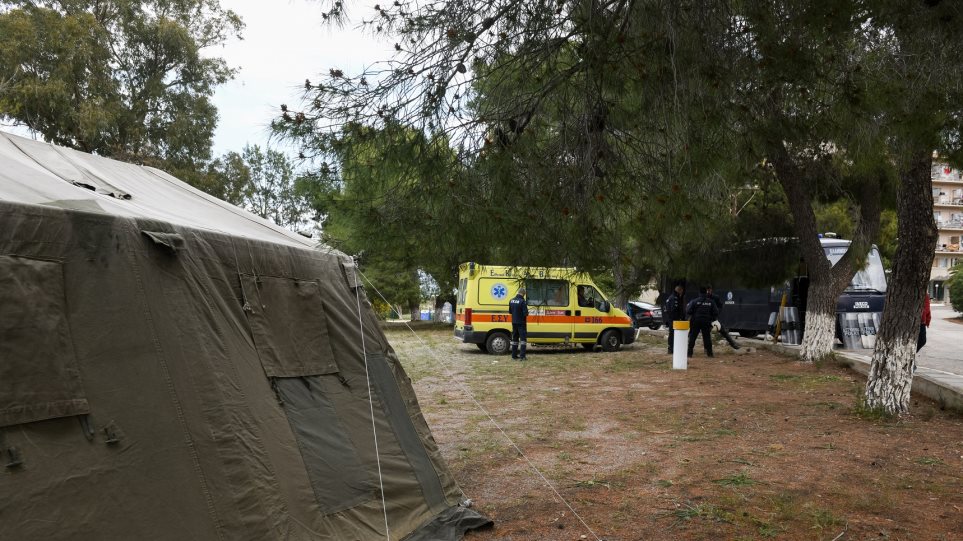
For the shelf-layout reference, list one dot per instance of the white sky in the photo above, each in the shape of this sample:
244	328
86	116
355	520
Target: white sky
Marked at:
283	44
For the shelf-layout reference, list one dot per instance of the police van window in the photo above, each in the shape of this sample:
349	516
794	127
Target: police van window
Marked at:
872	277
588	296
547	292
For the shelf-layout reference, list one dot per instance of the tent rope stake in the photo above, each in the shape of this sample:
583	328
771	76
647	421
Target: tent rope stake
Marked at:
491	419
374	429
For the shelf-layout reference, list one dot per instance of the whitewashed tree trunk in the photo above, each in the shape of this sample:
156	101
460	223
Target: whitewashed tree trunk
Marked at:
820	330
819	337
891	375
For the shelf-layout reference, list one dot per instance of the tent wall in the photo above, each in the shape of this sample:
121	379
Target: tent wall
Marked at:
198	385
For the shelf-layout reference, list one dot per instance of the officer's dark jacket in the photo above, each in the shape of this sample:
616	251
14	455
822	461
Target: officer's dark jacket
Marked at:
702	310
519	310
674	309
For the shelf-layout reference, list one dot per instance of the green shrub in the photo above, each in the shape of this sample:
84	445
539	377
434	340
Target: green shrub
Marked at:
955	287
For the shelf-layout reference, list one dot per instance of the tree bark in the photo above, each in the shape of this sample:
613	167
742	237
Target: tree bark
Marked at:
891	372
820	328
626	276
439	307
621	297
826	281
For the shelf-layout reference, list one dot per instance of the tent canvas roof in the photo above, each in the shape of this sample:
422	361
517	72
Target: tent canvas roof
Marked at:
39	173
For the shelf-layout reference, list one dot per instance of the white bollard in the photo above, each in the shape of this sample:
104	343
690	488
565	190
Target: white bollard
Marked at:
680	345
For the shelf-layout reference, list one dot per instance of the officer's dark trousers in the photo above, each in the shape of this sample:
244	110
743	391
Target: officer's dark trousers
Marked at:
921	341
519	338
704	328
671	337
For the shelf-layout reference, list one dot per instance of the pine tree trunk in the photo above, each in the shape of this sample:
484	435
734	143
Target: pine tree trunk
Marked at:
820	330
891	374
625	277
827	281
439	307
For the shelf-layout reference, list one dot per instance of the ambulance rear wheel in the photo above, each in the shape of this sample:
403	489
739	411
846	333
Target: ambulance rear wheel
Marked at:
611	341
498	343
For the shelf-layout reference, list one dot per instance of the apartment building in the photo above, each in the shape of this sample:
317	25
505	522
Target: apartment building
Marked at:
948	212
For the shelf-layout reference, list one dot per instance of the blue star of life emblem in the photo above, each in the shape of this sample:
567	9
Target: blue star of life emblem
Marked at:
499	291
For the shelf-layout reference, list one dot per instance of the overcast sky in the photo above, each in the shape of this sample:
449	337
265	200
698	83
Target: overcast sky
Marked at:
283	44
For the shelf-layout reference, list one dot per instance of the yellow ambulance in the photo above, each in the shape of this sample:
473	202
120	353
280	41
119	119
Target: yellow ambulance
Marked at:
564	307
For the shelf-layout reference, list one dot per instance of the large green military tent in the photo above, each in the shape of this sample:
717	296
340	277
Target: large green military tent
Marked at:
173	367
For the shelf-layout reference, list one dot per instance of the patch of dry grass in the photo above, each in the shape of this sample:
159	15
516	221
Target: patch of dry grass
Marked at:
752	446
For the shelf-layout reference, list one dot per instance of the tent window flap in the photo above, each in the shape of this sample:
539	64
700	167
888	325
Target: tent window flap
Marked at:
337	477
289	326
39	378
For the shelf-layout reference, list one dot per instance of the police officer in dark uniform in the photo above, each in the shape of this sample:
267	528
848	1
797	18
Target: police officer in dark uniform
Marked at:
702	312
519	310
674	310
722	328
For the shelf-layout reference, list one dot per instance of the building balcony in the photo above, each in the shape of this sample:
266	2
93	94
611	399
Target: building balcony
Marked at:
940	179
946	179
943	172
944	201
949	225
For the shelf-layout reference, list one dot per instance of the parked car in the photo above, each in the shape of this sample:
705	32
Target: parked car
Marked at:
644	314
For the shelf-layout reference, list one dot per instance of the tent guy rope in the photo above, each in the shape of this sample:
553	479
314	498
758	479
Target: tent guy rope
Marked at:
491	419
374	429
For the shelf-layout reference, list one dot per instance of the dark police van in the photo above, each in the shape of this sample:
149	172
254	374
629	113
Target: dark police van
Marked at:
750	312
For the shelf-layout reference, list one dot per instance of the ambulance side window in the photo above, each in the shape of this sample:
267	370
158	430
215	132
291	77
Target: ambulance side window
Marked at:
462	289
547	292
588	296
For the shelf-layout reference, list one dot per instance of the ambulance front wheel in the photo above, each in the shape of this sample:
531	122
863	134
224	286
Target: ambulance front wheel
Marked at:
498	343
611	341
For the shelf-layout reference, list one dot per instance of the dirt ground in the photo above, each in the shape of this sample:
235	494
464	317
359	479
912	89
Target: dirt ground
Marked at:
751	446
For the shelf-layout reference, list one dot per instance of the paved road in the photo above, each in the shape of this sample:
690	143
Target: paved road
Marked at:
944	343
